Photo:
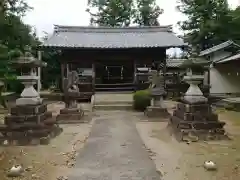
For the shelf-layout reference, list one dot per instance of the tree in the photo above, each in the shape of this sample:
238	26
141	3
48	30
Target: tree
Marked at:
51	75
147	13
234	25
206	24
14	36
17	7
111	12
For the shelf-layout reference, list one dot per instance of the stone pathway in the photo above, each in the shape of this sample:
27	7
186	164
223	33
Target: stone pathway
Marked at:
114	151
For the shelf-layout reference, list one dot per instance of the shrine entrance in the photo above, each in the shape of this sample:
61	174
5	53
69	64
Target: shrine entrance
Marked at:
114	75
119	72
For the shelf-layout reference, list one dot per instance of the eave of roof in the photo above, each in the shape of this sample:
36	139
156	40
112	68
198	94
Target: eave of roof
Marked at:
217	48
109	37
174	63
231	58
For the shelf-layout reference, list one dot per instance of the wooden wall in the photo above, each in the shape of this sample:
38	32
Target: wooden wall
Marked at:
89	58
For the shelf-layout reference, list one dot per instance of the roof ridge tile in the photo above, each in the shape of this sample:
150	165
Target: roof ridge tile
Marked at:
102	29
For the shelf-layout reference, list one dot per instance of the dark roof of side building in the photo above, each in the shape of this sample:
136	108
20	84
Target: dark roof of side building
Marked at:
228	59
112	37
218	47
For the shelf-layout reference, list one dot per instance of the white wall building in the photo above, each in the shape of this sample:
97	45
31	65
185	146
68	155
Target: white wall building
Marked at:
225	68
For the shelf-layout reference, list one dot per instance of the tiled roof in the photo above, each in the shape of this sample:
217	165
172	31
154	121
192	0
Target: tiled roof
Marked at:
107	37
181	63
231	58
217	48
174	63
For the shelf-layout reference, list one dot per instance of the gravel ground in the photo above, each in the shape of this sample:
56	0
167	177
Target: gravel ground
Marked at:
47	162
181	161
118	139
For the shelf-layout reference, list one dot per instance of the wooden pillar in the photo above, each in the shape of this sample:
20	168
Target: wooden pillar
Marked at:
93	76
67	69
39	85
62	74
134	74
135	71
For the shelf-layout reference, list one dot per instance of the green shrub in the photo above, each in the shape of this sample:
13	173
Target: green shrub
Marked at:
141	100
14	85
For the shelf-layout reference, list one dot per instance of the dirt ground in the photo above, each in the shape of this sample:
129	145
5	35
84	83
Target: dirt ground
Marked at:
46	162
182	161
174	160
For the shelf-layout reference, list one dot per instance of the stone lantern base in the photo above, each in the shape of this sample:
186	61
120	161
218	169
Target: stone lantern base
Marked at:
157	109
155	112
29	125
71	116
193	122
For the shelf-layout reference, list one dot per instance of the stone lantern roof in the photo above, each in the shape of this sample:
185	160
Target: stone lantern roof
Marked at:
194	63
28	60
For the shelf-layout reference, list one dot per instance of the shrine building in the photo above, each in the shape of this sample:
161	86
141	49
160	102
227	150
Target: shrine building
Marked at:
111	56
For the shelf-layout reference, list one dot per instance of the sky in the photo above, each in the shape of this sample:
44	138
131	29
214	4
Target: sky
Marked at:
46	13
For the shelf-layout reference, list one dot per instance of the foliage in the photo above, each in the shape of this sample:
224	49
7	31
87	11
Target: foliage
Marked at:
206	24
14	37
141	100
15	34
234	25
110	12
13	84
17	7
4	68
119	13
51	75
147	13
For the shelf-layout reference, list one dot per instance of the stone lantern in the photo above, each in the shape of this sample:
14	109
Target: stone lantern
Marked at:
28	78
157	91
29	122
193	118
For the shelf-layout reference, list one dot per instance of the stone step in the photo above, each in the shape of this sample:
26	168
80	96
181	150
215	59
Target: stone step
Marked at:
113	107
113	102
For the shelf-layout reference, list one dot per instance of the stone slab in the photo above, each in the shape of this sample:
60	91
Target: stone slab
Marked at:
28	110
191	135
47	124
77	117
37	137
28	101
197	130
190	116
34	119
153	111
198	125
203	108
